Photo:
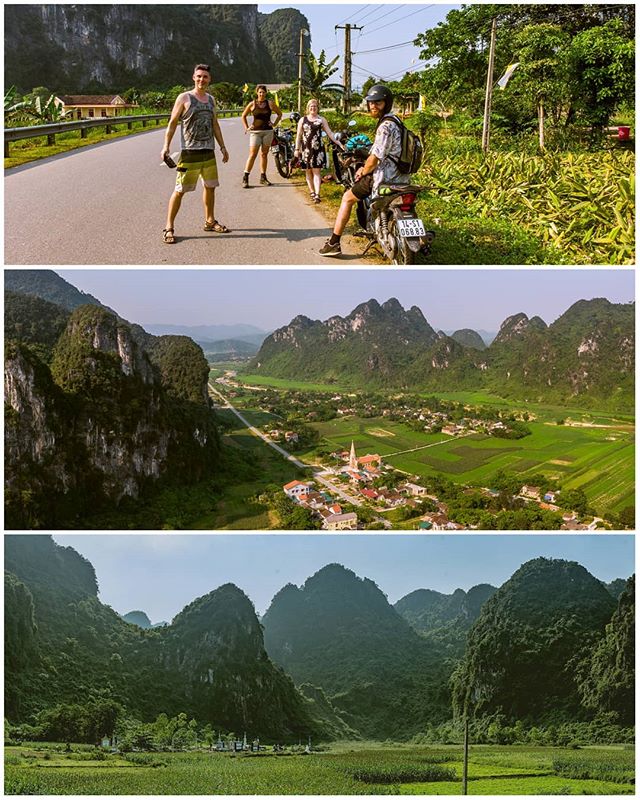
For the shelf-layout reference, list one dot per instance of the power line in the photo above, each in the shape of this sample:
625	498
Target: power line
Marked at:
352	16
389	47
386	14
393	22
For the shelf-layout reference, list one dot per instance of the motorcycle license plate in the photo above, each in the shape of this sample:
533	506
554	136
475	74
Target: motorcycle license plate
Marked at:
410	228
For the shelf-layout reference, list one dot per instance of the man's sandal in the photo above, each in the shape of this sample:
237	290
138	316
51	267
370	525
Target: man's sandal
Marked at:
216	227
167	236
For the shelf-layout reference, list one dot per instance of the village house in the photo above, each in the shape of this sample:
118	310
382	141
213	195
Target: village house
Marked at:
530	492
390	498
296	489
341	522
550	497
291	436
451	430
413	489
87	106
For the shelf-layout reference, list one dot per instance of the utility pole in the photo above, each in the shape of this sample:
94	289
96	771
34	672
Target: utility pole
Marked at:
486	124
304	32
465	760
346	98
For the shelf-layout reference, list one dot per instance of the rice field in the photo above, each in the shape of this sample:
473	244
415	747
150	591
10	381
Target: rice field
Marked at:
599	460
360	768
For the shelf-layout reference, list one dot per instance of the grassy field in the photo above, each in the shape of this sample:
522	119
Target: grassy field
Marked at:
598	460
240	510
362	768
282	383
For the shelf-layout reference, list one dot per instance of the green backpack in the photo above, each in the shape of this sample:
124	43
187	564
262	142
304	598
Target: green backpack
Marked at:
411	148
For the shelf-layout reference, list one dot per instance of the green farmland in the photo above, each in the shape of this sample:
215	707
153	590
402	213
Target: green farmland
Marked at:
599	460
342	769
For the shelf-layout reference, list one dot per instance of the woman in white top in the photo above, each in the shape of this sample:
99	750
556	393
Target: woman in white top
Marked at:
309	147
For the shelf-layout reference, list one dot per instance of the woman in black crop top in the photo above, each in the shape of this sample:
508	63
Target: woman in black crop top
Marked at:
260	132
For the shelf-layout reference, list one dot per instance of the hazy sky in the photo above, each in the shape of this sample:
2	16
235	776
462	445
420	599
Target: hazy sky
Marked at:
161	573
449	299
384	25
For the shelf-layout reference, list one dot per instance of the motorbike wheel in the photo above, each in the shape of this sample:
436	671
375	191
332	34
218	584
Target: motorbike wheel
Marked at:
282	164
404	255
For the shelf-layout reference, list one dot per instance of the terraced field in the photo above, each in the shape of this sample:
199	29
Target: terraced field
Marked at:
599	460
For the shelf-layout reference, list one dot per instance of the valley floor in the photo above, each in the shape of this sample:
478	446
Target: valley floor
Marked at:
343	768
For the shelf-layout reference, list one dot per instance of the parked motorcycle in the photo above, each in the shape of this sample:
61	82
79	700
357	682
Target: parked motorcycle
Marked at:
283	145
390	219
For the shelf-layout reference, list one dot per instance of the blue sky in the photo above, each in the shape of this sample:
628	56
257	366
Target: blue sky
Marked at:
382	26
449	299
161	573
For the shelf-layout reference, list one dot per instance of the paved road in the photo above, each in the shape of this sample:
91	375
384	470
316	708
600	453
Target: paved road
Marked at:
106	204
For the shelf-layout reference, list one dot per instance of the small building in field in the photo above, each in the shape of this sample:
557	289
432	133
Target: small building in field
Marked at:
88	106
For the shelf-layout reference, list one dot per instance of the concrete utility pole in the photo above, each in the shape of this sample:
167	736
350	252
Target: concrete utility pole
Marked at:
346	98
486	124
304	32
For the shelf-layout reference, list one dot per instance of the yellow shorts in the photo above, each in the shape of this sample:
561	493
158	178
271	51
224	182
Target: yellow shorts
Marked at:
193	165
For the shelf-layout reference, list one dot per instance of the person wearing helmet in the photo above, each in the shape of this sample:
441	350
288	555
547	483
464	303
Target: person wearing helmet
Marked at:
380	167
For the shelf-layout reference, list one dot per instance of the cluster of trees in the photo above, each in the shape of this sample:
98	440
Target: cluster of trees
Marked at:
575	63
72	722
290	515
605	728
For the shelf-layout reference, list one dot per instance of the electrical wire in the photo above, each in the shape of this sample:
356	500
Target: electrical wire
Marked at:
393	22
389	47
386	14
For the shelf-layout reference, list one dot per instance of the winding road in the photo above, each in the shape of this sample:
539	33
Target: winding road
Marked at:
106	204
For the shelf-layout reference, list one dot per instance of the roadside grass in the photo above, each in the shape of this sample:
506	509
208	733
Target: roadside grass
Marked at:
343	768
27	150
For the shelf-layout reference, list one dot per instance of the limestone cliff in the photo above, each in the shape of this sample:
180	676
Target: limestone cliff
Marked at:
110	48
99	424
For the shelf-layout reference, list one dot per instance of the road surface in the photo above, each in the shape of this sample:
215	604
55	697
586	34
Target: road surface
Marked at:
106	204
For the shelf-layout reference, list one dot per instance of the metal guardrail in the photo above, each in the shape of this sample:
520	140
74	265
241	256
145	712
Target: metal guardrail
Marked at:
83	125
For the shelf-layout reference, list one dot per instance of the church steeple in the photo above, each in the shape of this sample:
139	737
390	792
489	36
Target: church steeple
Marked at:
353	458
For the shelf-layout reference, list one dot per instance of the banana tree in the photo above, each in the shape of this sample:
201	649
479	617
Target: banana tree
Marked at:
14	109
317	73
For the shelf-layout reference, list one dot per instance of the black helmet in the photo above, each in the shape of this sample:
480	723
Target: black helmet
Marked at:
380	92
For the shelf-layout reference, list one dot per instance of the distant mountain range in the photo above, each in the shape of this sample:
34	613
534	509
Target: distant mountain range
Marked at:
550	645
586	356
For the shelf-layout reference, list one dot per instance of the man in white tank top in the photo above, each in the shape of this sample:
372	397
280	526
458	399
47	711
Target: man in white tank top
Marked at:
200	130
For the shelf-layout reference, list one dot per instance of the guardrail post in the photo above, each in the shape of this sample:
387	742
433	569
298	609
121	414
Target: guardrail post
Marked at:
6	149
144	123
83	133
51	138
108	128
130	126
